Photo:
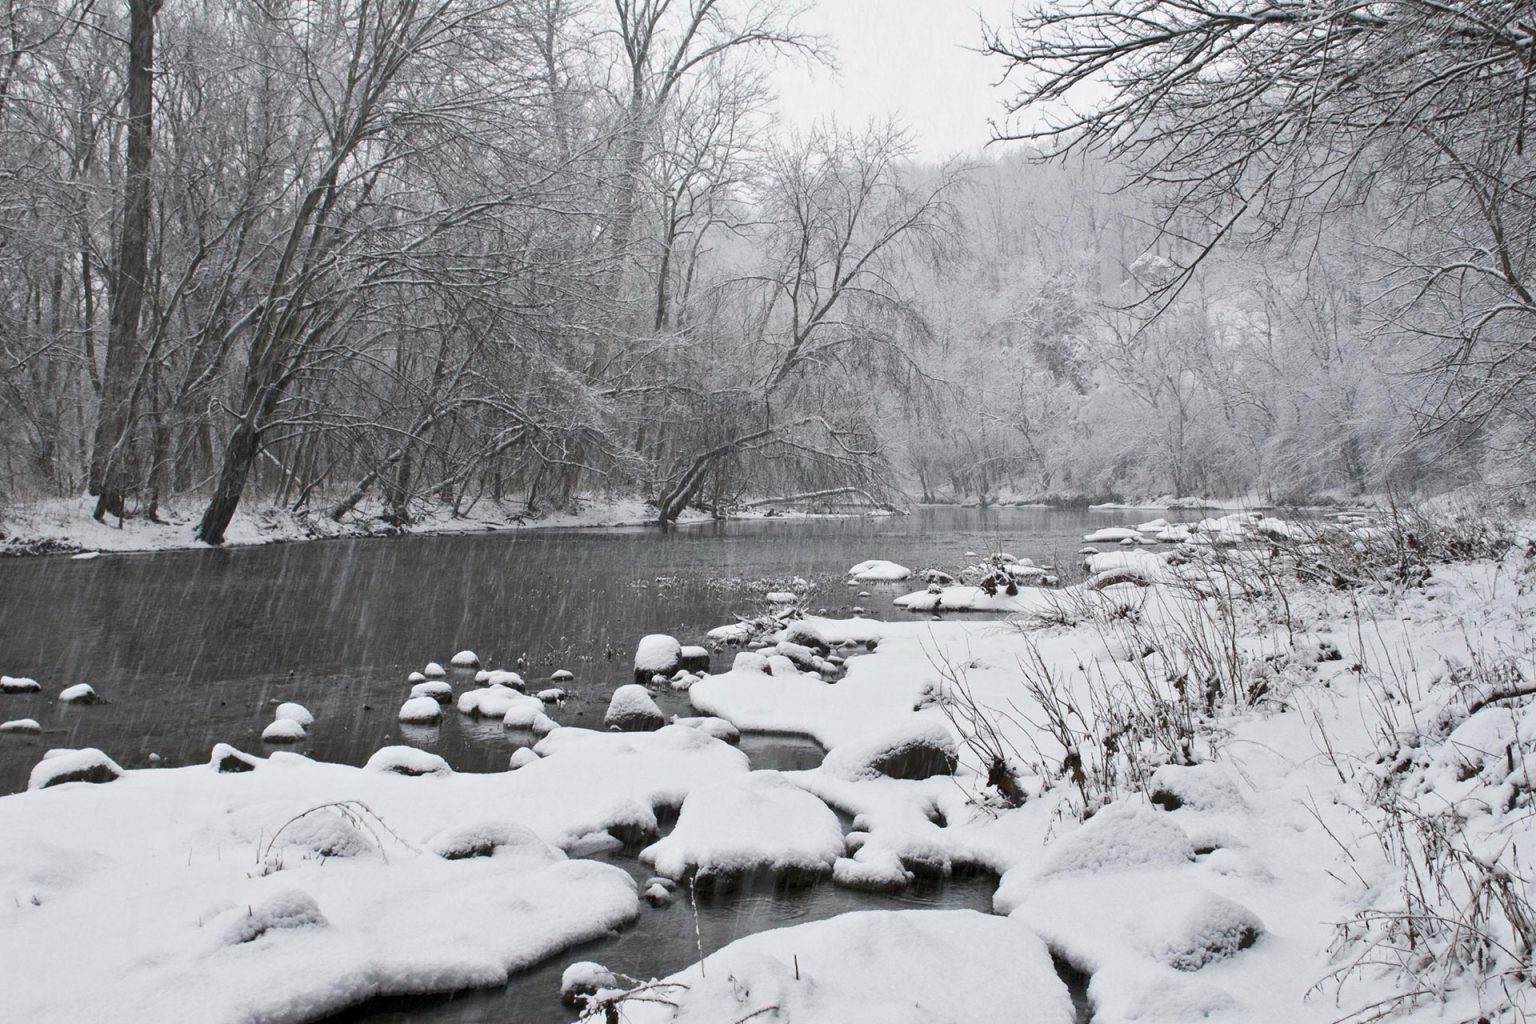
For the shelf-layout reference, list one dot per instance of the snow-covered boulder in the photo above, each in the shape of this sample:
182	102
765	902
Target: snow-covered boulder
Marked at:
402	760
22	726
438	689
657	654
522	757
913	750
809	635
290	908
495	701
503	839
749	661
465	659
80	693
60	766
890	967
1111	535
416	677
878	571
284	730
719	728
420	711
561	675
758	822
780	597
229	761
19	684
434	670
694	658
292	712
502	677
583	979
553	695
1188	930
1118	837
530	717
631	709
1201	787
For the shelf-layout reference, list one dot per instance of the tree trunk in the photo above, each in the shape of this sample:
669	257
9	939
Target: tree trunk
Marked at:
110	462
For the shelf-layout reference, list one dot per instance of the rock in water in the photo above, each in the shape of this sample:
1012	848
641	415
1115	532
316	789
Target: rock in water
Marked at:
19	684
584	979
24	726
420	711
284	730
465	659
633	710
657	654
80	693
60	766
294	713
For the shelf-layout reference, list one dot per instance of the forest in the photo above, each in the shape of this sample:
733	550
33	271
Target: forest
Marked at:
313	254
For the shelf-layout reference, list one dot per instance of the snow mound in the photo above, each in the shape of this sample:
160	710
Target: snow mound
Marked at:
912	750
876	571
780	597
755	822
1201	787
502	677
25	726
632	710
434	670
284	730
1189	930
229	761
506	840
19	684
583	979
465	659
522	757
886	966
719	728
530	717
402	760
657	653
290	908
420	711
872	869
1111	535
291	712
60	766
80	693
1118	837
561	675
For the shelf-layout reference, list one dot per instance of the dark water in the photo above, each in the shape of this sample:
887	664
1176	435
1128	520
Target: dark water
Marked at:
189	648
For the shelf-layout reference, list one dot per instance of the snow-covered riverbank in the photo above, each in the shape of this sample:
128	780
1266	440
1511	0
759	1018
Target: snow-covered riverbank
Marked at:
1223	790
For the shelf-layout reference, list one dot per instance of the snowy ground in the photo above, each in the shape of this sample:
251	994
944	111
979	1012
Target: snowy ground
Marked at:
1309	803
65	525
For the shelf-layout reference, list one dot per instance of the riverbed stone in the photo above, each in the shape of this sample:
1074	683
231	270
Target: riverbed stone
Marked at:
631	709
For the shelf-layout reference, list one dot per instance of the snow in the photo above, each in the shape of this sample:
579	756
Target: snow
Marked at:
501	677
292	712
27	726
437	689
891	967
584	978
1111	534
19	684
878	571
658	653
757	822
283	730
80	693
465	659
495	701
1122	836
434	670
1190	930
522	757
419	710
781	597
911	750
530	717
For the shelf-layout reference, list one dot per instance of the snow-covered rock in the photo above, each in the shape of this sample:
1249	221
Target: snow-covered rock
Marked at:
1111	535
288	908
582	979
495	701
657	654
561	675
420	711
877	570
502	677
19	684
292	712
403	760
226	760
1201	787
439	690
719	728
285	730
912	750
417	677
631	709
508	840
694	658
1120	836
434	670
23	726
553	695
781	597
522	757
1188	930
465	659
759	822
80	693
60	766
530	717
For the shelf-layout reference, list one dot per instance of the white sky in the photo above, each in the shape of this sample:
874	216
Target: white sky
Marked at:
910	58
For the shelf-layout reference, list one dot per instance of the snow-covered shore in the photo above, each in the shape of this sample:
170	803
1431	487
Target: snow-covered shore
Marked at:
1223	790
65	525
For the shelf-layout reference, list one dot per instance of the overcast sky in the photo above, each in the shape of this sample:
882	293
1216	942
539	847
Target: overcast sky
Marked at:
911	58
